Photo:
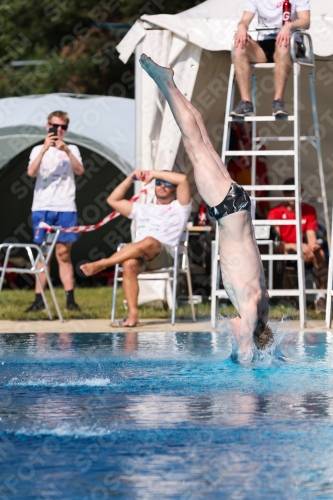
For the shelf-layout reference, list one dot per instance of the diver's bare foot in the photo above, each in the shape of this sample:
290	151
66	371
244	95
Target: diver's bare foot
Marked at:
131	321
159	74
92	268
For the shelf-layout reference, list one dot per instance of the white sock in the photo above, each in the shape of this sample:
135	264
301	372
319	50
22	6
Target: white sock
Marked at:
320	296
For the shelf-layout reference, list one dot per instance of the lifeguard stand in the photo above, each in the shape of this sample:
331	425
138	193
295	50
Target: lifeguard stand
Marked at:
294	151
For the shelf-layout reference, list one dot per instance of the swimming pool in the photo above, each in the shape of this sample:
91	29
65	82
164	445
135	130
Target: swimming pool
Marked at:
153	415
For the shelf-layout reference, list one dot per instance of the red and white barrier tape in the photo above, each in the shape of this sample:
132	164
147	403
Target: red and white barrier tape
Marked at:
92	227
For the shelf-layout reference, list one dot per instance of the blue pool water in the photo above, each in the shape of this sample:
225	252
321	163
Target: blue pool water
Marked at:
163	416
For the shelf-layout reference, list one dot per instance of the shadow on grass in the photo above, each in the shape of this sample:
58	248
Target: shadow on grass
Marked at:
95	303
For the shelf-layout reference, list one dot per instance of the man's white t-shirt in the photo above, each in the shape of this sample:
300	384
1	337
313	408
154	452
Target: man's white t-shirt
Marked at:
165	223
55	183
270	14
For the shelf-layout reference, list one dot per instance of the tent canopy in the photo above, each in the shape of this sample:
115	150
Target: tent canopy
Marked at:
211	24
196	44
102	124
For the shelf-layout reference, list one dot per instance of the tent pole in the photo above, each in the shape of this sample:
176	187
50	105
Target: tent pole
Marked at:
138	114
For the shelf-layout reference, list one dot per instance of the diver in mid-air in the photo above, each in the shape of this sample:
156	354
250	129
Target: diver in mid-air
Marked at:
241	265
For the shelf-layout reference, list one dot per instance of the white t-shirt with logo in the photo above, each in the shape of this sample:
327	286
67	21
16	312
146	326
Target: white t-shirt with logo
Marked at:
55	184
165	223
270	14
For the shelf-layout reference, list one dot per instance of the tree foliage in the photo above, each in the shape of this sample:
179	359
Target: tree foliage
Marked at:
78	53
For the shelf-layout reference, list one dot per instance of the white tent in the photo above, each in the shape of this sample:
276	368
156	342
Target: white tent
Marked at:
196	44
102	124
211	25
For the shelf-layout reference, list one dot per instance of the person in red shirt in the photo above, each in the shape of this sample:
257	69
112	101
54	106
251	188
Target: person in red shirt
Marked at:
313	254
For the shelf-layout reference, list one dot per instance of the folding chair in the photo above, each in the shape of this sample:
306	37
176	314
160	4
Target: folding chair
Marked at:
180	251
44	253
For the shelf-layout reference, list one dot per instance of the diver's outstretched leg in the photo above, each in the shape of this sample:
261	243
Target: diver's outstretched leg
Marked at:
211	182
206	138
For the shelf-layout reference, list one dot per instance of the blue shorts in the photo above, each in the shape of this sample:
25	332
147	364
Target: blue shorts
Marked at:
63	219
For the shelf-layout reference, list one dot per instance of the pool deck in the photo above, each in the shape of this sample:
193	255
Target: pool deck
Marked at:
148	325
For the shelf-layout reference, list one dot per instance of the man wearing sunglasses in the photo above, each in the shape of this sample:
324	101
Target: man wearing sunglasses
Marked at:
54	164
159	227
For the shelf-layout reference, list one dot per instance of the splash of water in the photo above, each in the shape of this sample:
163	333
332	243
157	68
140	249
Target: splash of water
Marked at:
263	358
88	382
63	430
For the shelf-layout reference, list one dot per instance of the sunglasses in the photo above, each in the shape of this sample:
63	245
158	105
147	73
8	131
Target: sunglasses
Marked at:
64	127
158	182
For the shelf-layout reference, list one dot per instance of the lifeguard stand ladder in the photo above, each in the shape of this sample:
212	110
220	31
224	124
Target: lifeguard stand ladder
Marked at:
257	142
329	285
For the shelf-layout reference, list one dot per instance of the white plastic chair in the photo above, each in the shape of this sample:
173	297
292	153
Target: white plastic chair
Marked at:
180	253
44	254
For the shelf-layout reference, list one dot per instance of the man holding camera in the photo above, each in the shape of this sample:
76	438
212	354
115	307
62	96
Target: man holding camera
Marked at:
159	227
54	164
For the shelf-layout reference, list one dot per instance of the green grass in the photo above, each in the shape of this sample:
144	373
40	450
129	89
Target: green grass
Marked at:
95	303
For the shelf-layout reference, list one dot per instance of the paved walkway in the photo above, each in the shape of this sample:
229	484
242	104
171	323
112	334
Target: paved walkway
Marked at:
148	325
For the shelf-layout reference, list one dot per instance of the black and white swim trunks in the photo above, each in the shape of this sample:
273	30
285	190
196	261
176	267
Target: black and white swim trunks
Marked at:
236	200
